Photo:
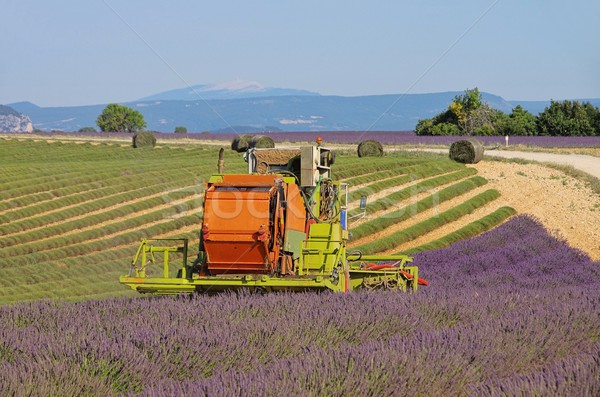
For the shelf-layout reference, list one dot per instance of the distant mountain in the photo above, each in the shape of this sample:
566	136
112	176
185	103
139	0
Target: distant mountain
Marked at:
67	118
8	111
287	113
13	121
236	89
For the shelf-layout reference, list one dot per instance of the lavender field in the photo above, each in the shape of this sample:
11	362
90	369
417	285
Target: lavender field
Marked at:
410	138
511	312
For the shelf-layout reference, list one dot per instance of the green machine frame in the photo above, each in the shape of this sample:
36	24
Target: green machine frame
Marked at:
350	273
322	264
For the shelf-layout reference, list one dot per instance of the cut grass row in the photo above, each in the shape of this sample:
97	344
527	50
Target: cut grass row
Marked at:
43	281
21	161
55	170
139	175
80	204
393	240
352	166
32	152
71	290
84	222
93	179
90	263
414	173
393	171
87	178
391	200
67	240
71	190
93	155
378	224
71	278
471	230
130	237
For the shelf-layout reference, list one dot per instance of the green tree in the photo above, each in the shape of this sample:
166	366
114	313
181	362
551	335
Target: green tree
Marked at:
180	130
468	109
565	119
119	118
485	130
445	129
87	129
593	115
424	127
467	114
519	122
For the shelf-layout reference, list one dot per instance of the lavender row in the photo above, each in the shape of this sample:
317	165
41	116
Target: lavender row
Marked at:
512	311
353	137
520	253
364	344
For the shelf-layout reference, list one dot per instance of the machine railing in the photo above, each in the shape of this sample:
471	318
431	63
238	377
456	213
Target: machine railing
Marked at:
145	256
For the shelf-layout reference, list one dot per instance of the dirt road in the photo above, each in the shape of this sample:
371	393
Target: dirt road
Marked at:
585	163
582	162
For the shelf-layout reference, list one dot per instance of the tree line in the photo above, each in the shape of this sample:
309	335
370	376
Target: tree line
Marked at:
467	114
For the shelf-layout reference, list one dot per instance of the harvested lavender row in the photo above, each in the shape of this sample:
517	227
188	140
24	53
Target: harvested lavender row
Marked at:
513	311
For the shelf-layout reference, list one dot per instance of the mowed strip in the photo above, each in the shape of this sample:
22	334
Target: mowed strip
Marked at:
370	227
415	211
102	244
366	177
472	229
42	202
447	227
390	241
409	174
116	258
69	278
85	216
112	229
391	199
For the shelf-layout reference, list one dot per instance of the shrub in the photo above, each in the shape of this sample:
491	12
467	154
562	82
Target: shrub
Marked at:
485	130
445	129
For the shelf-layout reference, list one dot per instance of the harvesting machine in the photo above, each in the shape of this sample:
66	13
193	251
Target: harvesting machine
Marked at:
282	226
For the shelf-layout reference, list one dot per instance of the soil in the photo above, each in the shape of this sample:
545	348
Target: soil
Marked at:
566	207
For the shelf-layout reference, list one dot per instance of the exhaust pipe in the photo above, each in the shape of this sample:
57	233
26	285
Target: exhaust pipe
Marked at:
221	163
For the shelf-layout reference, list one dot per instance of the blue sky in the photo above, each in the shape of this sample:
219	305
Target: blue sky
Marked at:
68	52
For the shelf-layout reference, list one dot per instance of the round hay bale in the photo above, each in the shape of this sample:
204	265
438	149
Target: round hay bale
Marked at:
468	151
370	148
261	141
241	143
144	139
